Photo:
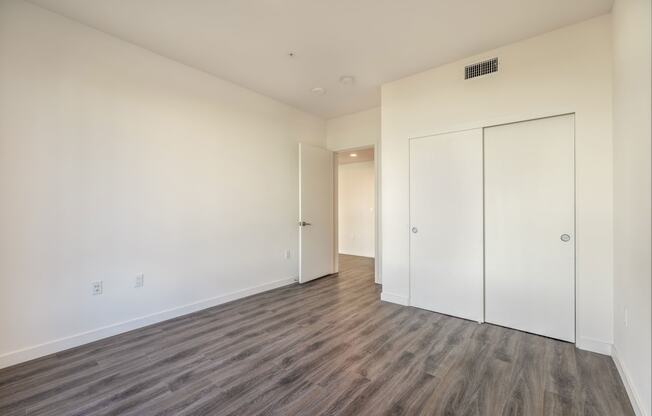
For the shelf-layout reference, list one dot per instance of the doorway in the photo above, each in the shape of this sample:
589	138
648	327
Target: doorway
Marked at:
355	202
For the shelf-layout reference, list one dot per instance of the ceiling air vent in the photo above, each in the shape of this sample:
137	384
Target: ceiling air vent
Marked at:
481	68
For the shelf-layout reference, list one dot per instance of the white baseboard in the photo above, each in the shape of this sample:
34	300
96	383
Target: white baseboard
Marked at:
367	255
392	298
634	397
594	345
61	344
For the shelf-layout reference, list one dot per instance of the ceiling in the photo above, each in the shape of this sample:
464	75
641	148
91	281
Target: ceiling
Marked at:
248	42
361	155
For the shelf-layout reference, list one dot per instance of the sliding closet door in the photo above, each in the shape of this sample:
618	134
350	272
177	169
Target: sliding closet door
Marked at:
446	223
529	226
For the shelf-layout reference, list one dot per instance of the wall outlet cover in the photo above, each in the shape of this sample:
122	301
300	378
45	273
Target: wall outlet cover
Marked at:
97	288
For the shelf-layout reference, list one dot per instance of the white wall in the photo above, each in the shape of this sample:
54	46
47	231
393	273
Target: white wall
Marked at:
568	70
353	130
356	217
115	161
632	207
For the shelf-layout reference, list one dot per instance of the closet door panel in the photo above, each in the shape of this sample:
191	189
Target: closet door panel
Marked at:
446	264
529	226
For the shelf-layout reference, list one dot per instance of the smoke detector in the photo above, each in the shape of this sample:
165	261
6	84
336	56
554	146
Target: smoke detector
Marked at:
347	79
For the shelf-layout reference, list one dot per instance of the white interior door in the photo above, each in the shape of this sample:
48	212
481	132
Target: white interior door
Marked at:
446	224
315	212
529	226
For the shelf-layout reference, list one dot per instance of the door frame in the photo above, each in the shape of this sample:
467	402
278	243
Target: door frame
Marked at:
501	122
377	236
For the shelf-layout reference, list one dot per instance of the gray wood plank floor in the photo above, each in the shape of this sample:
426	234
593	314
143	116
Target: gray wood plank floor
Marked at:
329	347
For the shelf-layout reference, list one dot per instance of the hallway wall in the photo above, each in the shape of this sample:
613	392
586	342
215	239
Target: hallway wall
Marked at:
356	213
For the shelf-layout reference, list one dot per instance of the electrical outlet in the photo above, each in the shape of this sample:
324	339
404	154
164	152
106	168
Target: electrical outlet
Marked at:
626	318
97	288
140	280
288	254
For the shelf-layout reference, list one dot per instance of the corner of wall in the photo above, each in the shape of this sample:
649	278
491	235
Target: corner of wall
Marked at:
392	298
634	398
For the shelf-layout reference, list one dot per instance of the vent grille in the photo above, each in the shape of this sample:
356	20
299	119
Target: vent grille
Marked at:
481	68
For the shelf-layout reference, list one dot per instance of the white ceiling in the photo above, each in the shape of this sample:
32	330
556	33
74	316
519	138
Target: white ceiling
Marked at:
247	41
361	155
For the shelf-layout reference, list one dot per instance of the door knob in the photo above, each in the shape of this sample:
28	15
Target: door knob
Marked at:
565	238
303	223
415	230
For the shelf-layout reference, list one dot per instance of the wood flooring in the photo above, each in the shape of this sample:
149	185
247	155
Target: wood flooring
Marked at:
329	347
